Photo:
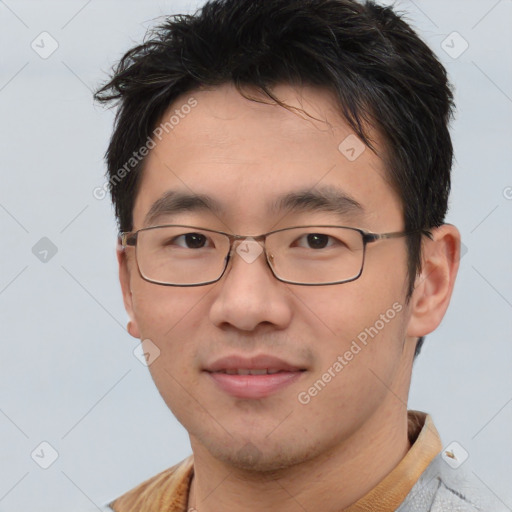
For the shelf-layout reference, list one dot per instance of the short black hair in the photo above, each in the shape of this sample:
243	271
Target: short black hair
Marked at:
381	73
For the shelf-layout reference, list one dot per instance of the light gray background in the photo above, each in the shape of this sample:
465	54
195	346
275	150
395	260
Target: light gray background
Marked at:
68	375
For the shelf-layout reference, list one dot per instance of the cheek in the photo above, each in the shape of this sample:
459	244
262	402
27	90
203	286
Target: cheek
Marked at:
358	338
164	311
363	321
385	269
341	312
170	318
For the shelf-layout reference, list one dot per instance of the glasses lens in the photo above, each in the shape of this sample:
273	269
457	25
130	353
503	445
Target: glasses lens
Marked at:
185	255
316	255
181	255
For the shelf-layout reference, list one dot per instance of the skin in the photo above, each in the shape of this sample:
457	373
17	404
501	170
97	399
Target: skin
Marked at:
275	453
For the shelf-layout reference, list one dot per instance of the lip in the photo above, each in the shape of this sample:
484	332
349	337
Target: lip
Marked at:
253	386
258	362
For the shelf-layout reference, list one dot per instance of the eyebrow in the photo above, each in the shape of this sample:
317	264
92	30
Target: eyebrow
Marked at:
174	202
325	198
321	198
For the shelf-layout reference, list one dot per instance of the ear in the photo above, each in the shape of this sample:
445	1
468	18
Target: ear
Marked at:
434	284
125	268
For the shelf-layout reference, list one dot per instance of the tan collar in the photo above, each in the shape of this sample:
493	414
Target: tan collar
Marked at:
169	490
390	492
166	491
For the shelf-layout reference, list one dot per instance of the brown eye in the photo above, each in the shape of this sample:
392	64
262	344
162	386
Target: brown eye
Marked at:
189	241
315	241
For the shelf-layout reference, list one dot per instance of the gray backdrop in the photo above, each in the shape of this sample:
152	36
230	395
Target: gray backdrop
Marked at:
68	375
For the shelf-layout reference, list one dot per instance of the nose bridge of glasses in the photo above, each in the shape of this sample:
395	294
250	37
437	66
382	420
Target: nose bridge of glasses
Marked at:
248	248
237	240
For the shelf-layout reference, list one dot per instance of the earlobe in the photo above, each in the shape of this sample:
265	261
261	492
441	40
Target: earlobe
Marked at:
132	329
124	279
434	285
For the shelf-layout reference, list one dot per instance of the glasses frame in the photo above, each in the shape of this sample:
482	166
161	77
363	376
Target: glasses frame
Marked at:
129	239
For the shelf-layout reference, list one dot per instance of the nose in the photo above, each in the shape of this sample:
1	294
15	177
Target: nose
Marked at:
248	294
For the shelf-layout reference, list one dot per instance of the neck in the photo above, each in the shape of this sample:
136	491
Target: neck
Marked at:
330	482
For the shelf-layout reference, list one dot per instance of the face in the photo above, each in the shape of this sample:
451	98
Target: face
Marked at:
338	348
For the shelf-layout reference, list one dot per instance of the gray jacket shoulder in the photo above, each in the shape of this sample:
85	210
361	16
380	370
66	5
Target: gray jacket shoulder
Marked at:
442	488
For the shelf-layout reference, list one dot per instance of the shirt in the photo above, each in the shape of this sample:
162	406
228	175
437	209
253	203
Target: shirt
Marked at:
423	481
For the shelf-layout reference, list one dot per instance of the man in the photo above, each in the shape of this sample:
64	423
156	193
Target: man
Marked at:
280	173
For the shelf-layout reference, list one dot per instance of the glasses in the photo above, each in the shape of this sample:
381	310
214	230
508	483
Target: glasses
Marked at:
182	255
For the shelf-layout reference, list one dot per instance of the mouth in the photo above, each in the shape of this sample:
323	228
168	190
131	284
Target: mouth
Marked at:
253	378
254	371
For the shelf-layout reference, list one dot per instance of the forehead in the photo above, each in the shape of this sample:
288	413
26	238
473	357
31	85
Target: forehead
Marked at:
247	156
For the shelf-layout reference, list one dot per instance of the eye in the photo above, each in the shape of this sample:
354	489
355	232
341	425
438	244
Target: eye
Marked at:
315	241
190	240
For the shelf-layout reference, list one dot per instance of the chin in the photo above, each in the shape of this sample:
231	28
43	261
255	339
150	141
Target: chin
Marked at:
260	459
